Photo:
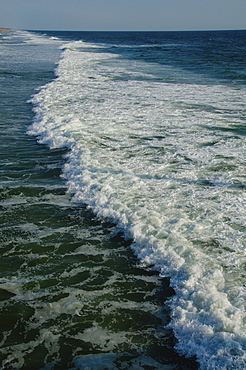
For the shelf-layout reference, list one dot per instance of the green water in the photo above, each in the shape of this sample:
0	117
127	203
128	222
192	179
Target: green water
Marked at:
72	288
72	293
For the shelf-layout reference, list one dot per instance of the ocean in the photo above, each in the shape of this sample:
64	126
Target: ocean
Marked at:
122	200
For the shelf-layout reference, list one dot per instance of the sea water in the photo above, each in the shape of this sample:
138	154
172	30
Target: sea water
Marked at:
123	233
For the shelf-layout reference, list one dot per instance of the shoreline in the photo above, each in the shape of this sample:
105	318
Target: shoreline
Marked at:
4	29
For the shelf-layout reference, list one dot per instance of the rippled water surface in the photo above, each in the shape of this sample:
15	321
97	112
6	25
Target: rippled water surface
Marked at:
134	199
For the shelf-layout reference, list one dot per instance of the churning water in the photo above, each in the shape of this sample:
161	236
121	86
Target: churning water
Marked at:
143	185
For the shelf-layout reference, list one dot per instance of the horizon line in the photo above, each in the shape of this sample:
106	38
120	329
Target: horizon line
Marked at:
79	30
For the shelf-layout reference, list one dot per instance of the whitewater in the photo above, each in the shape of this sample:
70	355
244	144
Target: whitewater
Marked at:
122	199
165	162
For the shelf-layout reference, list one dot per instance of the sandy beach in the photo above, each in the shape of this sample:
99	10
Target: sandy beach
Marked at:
4	29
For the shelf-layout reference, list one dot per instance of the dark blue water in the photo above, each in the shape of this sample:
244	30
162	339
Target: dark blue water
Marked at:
216	54
137	183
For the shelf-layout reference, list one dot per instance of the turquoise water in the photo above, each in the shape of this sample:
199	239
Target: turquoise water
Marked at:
122	200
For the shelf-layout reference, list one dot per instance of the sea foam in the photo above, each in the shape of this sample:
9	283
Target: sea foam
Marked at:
165	163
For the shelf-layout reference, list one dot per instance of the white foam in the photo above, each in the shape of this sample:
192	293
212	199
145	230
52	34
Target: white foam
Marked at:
109	361
162	161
